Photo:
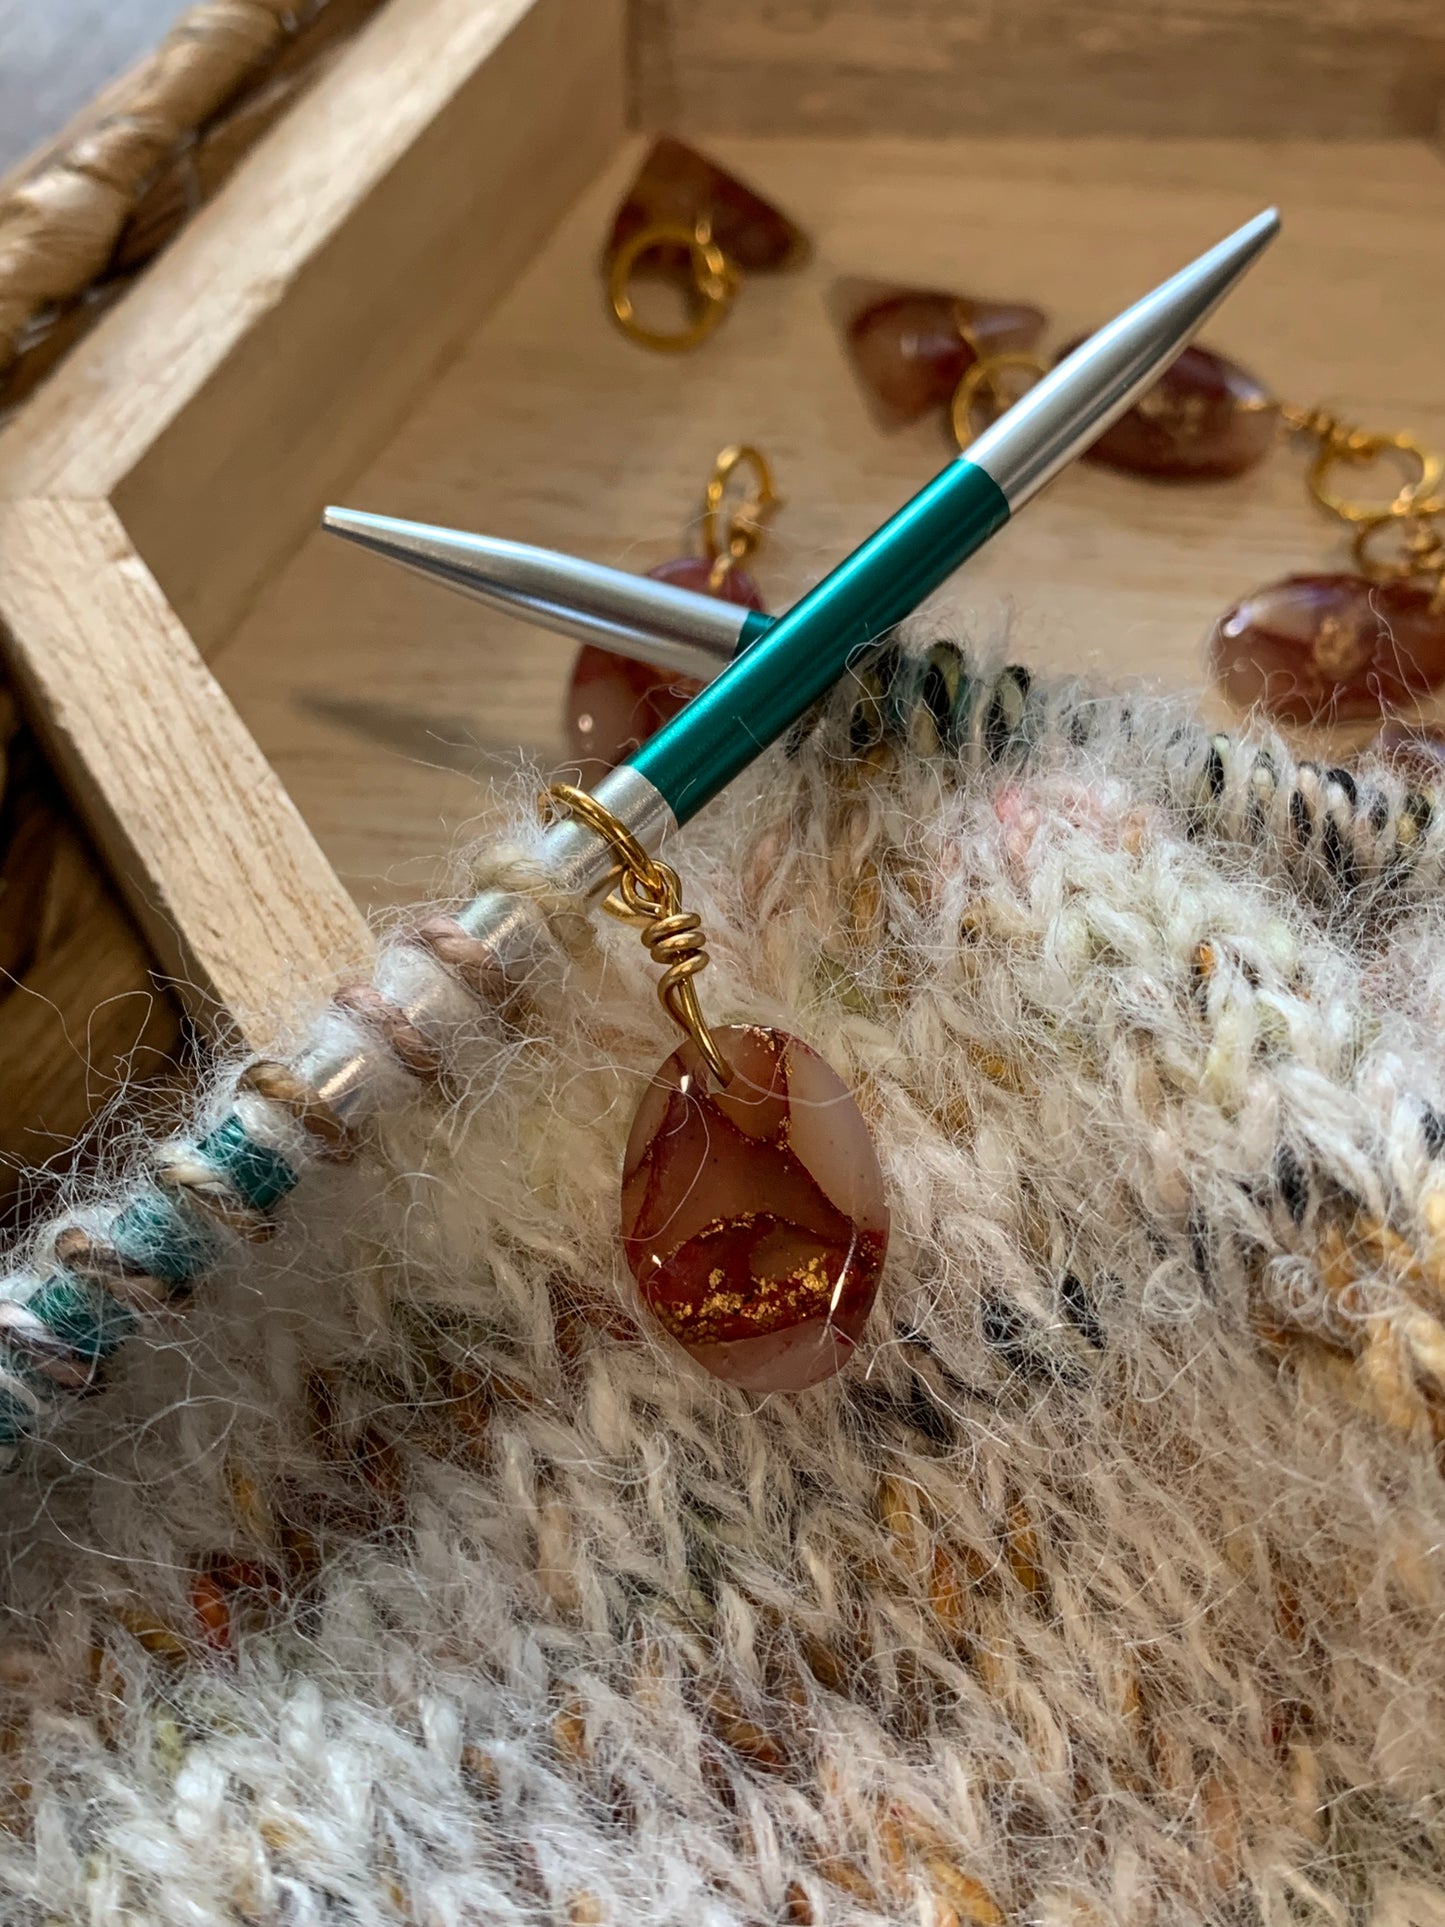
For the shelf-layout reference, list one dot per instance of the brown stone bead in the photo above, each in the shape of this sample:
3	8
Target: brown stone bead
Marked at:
912	347
1329	646
1205	419
753	1217
677	184
615	703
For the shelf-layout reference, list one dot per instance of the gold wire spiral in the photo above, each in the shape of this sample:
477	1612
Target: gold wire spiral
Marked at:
648	894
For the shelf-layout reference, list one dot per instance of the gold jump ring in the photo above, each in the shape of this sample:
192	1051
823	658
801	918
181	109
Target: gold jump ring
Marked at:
714	279
728	543
980	375
1359	447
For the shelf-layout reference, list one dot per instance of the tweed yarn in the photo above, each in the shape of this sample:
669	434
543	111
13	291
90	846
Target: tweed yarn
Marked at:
413	1578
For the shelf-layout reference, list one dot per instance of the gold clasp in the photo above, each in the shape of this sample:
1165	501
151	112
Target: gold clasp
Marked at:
1417	551
1339	442
727	544
713	277
647	893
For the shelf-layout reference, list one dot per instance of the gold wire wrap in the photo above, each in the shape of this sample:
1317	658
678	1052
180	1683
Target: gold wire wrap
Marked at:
727	545
649	895
714	278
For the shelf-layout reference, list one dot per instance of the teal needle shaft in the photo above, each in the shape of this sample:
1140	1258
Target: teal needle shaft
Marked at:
801	655
769	686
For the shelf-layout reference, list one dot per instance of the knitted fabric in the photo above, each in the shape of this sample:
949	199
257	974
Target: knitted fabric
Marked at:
414	1578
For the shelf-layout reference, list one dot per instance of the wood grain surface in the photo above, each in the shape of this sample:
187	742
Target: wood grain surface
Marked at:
1269	69
181	451
388	705
143	719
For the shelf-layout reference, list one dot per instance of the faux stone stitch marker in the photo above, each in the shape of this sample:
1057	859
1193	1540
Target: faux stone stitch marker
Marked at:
772	1289
752	1207
753	1214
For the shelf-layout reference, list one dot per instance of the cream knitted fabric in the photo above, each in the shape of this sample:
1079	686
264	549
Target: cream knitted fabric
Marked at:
413	1578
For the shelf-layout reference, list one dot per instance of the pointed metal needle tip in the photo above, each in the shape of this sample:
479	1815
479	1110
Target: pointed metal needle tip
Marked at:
356	525
629	614
1075	402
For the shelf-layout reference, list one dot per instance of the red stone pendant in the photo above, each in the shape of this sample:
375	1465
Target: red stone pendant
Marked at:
615	703
912	346
1204	419
753	1217
677	185
1330	646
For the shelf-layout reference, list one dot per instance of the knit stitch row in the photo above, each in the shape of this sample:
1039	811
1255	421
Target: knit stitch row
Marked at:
64	1314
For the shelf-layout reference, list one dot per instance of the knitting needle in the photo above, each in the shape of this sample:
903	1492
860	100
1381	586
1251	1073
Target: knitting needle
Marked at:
803	653
633	615
346	1074
767	688
674	629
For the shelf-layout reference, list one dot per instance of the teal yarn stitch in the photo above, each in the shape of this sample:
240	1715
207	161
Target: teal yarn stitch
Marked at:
155	1232
152	1235
83	1316
262	1176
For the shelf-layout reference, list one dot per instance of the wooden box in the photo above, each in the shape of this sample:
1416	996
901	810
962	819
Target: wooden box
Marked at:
395	303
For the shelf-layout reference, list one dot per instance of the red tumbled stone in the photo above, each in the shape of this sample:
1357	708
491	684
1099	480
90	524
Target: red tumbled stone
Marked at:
678	185
753	1218
912	347
1335	646
615	703
1204	419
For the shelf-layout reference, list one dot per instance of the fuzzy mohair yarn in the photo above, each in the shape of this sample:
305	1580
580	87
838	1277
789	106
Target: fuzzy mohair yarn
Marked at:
413	1577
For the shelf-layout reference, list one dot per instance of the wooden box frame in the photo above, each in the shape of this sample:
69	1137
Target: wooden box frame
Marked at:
178	457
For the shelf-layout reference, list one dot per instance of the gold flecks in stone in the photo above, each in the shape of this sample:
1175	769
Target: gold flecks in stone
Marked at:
753	1216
